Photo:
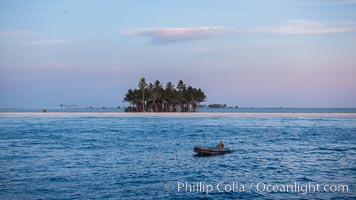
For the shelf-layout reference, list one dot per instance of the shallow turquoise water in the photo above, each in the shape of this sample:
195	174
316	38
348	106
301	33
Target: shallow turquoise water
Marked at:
136	157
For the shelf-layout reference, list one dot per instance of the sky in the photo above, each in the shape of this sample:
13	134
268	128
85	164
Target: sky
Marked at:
290	53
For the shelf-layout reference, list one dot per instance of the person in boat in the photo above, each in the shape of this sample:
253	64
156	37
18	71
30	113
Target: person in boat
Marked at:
221	145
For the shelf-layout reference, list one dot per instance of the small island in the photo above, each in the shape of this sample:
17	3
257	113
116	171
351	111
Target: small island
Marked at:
154	97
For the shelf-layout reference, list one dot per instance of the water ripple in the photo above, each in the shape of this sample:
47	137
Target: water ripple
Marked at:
134	157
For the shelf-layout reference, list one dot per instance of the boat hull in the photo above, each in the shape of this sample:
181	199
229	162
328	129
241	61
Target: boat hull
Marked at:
211	150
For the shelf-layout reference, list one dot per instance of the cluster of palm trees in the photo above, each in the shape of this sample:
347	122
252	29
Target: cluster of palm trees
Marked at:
158	98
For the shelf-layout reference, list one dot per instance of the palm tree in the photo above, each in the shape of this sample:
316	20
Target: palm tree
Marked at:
169	92
189	97
181	87
132	97
199	96
142	85
156	93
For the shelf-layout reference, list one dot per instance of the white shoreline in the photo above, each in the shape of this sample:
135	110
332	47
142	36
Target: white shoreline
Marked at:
201	114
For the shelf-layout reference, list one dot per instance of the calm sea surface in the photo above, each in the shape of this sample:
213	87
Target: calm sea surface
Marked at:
204	110
143	157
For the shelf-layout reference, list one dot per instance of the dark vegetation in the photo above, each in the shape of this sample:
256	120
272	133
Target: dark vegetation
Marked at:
154	97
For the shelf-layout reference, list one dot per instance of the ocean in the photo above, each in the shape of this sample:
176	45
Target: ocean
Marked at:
204	110
151	157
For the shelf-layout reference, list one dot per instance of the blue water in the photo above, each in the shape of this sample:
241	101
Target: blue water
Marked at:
135	157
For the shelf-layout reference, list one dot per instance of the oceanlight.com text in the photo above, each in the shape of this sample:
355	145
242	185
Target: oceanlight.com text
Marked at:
262	187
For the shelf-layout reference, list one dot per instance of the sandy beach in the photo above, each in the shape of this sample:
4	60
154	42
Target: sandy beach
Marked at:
112	114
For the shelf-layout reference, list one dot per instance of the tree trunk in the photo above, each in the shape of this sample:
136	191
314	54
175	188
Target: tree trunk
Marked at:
143	100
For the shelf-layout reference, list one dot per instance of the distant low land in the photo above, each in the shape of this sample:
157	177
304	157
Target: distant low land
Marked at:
201	114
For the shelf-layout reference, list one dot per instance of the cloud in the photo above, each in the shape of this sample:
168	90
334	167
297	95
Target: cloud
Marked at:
276	42
45	42
16	34
32	38
346	2
168	35
309	27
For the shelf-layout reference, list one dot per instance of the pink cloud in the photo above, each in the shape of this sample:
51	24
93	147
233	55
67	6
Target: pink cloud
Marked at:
168	35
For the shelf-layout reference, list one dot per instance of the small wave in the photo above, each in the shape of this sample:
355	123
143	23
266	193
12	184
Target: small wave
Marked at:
304	179
339	149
